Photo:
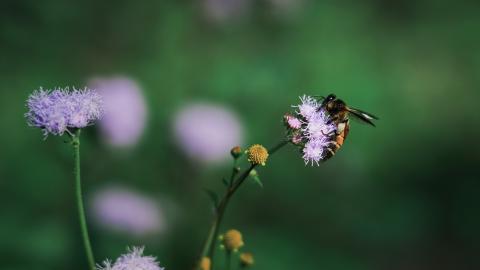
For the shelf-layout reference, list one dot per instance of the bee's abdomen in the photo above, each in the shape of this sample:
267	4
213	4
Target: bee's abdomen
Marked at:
337	140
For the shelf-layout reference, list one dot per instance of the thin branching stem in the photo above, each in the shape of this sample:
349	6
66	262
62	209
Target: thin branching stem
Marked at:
234	185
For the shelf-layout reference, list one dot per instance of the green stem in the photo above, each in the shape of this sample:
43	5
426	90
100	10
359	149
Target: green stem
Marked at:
81	210
222	206
228	260
209	246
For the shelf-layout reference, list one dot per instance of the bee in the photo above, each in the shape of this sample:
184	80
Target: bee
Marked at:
339	114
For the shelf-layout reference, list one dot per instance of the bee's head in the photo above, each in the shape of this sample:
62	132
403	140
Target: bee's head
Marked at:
329	98
332	104
328	102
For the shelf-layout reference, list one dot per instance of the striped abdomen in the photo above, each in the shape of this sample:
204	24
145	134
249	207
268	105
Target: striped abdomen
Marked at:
338	138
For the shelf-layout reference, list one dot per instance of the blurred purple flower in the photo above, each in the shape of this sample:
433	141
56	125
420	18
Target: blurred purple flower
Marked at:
124	210
207	132
125	111
224	10
286	8
54	111
133	260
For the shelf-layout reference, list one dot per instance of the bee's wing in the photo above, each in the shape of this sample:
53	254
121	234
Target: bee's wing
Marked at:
363	116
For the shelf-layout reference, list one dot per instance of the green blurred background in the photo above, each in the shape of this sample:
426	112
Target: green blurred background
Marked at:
403	195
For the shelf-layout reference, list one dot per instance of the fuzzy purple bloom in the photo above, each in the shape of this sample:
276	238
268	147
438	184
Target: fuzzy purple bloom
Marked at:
207	132
316	131
133	260
125	118
55	111
124	210
317	127
292	121
308	107
221	11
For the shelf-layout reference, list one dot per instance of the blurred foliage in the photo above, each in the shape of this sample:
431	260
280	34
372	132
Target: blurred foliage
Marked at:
401	196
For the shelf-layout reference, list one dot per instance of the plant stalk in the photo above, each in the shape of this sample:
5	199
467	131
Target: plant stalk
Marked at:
81	210
209	247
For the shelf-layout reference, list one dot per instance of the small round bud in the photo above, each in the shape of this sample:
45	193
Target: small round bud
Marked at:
205	263
297	139
232	240
236	152
246	259
253	173
257	154
292	122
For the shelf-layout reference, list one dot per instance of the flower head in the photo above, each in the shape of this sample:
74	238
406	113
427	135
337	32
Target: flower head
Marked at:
308	107
54	111
222	11
123	210
133	260
205	263
257	154
318	126
292	121
311	128
232	240
246	259
125	118
206	132
236	152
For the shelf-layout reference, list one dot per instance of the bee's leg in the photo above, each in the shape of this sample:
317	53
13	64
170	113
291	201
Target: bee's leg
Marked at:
327	134
335	143
331	151
331	120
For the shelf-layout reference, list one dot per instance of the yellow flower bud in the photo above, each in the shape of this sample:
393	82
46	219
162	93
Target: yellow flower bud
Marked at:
236	151
205	263
232	240
246	259
257	154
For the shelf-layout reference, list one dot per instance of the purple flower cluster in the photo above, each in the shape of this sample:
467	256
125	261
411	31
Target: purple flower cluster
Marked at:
54	111
125	118
206	132
133	260
311	129
127	211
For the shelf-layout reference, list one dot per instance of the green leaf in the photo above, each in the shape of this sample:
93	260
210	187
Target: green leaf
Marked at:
256	178
213	196
225	182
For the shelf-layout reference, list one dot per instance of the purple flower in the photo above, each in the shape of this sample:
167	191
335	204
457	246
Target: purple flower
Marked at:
226	10
308	107
133	260
54	111
316	131
292	121
286	9
126	211
124	121
317	127
207	132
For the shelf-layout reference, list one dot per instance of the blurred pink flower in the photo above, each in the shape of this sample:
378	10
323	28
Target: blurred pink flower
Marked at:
125	111
207	132
225	10
127	211
286	8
